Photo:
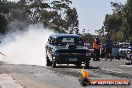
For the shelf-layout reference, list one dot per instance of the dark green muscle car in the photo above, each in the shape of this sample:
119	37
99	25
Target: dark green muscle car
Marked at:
66	49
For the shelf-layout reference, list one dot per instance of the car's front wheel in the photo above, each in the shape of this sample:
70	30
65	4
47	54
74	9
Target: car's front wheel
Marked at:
78	64
127	58
87	64
53	62
48	62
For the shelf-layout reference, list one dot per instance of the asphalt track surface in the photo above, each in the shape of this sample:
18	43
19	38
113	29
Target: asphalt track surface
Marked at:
32	76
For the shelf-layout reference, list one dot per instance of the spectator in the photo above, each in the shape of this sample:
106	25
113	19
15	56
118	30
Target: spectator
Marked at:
109	44
102	51
96	46
131	52
131	45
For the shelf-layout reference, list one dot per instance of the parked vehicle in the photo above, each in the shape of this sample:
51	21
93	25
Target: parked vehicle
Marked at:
129	54
66	49
115	51
123	49
89	47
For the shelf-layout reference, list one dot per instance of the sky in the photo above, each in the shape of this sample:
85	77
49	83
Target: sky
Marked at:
91	13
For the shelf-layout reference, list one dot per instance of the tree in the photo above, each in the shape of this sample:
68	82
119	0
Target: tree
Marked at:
54	14
72	19
3	23
116	24
112	23
88	38
130	16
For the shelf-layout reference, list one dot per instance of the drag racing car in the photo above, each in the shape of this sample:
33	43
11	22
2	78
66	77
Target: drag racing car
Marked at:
66	49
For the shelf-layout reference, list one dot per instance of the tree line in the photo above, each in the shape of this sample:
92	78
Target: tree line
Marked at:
53	14
118	25
60	16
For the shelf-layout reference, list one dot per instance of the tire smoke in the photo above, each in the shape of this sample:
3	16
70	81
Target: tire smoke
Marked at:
26	47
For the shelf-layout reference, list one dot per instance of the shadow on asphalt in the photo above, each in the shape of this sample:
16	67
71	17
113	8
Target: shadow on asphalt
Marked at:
66	66
91	67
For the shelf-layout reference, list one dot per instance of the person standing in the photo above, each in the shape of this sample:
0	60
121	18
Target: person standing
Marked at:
108	46
131	52
96	47
131	45
102	54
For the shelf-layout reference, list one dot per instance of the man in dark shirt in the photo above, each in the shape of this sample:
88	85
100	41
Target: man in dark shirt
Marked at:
108	46
131	52
131	45
98	49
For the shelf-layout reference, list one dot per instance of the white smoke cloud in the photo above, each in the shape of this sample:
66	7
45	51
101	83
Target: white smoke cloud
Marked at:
27	47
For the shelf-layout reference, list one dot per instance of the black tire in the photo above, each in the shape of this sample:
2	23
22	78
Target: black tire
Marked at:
78	65
129	63
48	62
119	58
87	64
53	64
127	58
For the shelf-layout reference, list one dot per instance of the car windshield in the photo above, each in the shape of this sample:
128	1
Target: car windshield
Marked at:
88	46
62	41
124	45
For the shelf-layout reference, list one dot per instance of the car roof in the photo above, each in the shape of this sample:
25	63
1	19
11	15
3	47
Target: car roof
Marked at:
86	44
64	35
124	43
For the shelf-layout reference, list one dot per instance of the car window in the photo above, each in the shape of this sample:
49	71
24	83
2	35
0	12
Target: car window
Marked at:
88	46
70	40
124	45
65	40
